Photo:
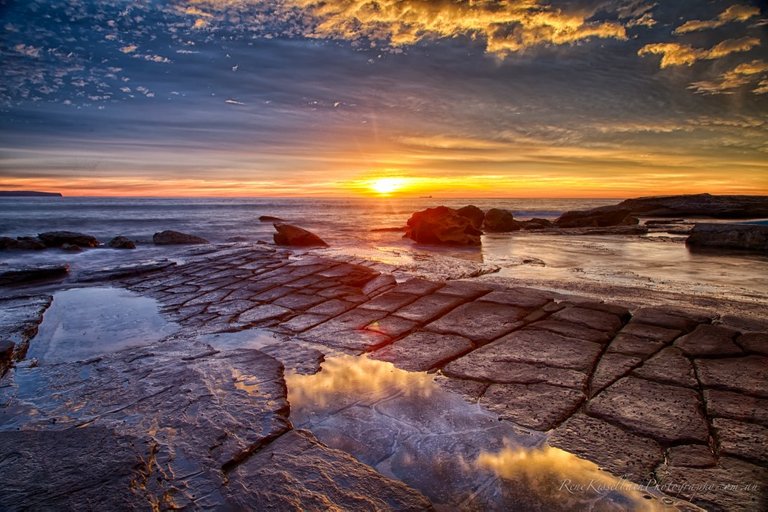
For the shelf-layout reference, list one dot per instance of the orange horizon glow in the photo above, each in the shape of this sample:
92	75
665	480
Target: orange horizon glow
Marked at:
381	188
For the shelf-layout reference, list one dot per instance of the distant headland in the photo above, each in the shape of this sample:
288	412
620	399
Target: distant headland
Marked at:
28	193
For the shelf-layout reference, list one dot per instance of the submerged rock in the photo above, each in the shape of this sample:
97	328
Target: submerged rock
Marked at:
288	234
22	243
270	218
729	236
597	218
442	225
169	237
474	214
60	238
500	221
23	275
121	242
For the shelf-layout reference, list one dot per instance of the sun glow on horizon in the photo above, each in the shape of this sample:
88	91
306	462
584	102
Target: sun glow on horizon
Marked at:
387	186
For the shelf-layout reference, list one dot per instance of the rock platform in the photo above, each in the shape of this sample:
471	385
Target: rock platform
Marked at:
663	396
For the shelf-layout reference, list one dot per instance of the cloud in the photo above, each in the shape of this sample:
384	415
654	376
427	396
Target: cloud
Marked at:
676	54
506	27
762	87
740	75
733	13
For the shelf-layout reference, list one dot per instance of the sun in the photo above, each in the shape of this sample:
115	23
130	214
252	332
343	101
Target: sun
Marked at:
386	186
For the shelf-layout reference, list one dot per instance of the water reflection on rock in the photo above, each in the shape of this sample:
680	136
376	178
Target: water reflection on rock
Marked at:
456	453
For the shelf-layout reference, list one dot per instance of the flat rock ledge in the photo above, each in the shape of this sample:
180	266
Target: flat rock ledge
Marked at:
659	395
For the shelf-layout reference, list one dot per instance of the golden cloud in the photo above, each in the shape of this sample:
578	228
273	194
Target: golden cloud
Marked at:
506	27
676	54
740	75
733	13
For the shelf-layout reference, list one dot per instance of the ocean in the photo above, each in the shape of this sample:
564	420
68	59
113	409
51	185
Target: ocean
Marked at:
649	263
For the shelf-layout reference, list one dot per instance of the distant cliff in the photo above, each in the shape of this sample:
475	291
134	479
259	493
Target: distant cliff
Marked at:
28	193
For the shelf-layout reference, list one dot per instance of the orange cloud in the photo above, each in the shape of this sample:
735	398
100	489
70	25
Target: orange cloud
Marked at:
676	54
733	13
742	74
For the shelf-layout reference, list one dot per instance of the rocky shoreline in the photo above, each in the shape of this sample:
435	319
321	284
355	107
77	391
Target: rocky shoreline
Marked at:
648	393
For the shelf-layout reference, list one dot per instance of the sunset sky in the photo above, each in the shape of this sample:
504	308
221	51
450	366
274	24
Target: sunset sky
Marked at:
518	98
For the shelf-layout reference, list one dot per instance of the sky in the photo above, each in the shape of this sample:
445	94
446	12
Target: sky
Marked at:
450	98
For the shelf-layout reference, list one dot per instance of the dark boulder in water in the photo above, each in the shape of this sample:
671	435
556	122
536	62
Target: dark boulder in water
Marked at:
59	238
500	221
169	237
121	242
536	223
288	234
442	225
746	237
22	243
597	218
269	218
474	214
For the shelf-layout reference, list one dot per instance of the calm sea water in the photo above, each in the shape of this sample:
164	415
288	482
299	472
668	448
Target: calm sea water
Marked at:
651	263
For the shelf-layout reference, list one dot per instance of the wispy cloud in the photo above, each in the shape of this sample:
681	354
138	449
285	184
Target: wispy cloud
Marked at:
676	54
739	76
733	13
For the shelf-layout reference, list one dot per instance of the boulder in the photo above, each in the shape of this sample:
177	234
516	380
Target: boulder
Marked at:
269	218
71	248
288	234
474	214
59	238
442	225
22	243
121	242
500	221
596	218
536	223
749	237
170	237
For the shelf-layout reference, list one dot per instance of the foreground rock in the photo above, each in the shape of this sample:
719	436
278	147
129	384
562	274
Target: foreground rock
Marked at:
20	318
288	234
61	238
442	225
500	221
597	218
24	275
729	236
474	214
170	237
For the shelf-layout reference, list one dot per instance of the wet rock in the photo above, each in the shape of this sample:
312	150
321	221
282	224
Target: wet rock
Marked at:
737	406
121	242
698	205
6	354
170	237
59	238
261	314
392	326
22	243
666	318
732	485
469	389
71	248
468	290
296	471
389	301
479	321
616	450
442	225
665	413
709	340
535	224
741	374
744	440
691	456
295	236
422	351
729	236
536	406
474	214
125	271
634	345
269	218
418	286
378	283
24	275
428	307
601	231
20	318
520	297
571	330
500	221
597	217
591	318
669	366
610	369
756	342
652	332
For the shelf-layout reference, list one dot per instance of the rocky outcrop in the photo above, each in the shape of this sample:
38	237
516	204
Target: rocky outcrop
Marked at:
22	243
698	205
500	221
24	275
269	218
474	214
59	238
121	242
442	225
749	237
597	218
288	234
170	237
535	224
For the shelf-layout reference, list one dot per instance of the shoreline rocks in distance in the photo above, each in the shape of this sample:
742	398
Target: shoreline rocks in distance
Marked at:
290	235
442	225
170	237
270	218
745	237
606	216
28	193
694	205
22	243
121	242
70	238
